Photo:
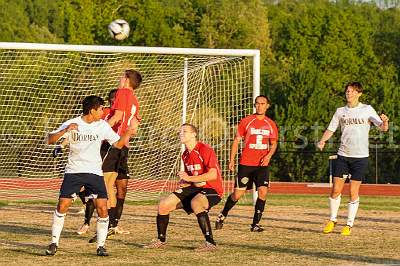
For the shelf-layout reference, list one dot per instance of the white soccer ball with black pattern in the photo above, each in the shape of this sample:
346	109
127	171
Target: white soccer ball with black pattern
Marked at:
119	29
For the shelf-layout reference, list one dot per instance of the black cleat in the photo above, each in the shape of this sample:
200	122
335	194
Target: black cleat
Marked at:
51	249
102	252
219	222
256	228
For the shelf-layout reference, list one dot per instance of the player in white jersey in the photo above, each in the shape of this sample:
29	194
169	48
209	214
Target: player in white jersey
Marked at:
354	120
85	135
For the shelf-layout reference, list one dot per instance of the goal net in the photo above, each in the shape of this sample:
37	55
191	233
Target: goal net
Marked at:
42	86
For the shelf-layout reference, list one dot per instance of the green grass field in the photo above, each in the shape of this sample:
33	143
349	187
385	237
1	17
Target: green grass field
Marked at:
293	235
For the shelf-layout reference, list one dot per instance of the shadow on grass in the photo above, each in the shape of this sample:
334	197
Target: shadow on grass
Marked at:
360	218
23	230
25	248
39	250
319	254
29	231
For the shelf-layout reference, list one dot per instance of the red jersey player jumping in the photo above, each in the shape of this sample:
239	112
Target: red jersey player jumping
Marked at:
124	112
200	188
260	136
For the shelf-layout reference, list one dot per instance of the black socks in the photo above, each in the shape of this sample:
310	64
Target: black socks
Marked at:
205	226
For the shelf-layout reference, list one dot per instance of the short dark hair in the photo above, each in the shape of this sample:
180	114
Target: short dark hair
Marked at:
355	85
134	77
111	94
263	96
91	102
194	128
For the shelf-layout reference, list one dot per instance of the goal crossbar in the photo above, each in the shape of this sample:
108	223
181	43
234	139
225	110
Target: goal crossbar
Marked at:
128	49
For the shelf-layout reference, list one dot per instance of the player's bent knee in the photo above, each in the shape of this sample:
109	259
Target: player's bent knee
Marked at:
354	196
335	193
262	192
102	212
121	193
164	207
122	188
63	205
237	194
199	203
199	206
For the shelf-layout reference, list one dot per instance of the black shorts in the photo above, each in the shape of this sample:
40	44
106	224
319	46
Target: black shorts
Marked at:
247	175
188	193
72	184
349	167
115	160
123	170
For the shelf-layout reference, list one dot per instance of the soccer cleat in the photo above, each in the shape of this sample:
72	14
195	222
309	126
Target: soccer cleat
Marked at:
329	227
155	243
102	252
256	228
83	229
206	247
120	231
111	231
219	222
51	249
346	230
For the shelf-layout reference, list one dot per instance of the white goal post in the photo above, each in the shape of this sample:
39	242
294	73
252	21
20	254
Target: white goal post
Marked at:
42	85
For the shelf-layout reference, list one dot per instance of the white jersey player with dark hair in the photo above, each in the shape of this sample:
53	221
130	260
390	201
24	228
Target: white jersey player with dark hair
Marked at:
85	135
354	120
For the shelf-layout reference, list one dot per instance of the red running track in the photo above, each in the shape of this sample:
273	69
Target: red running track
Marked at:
318	188
9	184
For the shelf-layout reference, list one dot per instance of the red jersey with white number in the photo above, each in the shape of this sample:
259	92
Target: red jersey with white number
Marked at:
257	135
127	102
199	161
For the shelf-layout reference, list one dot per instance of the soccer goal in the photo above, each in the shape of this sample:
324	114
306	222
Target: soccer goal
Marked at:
42	85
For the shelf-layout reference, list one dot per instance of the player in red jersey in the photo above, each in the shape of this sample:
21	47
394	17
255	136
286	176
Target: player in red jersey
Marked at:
124	112
124	109
200	188
260	136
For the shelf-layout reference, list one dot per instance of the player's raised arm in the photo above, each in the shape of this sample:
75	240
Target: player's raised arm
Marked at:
118	115
132	130
53	137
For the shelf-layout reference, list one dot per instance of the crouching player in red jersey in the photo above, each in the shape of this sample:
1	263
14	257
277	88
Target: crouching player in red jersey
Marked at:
200	188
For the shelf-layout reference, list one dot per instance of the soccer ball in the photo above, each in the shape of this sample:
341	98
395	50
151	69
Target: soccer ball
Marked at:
119	29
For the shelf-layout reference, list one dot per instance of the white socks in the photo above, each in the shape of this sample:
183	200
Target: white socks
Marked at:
58	224
102	230
334	205
352	211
